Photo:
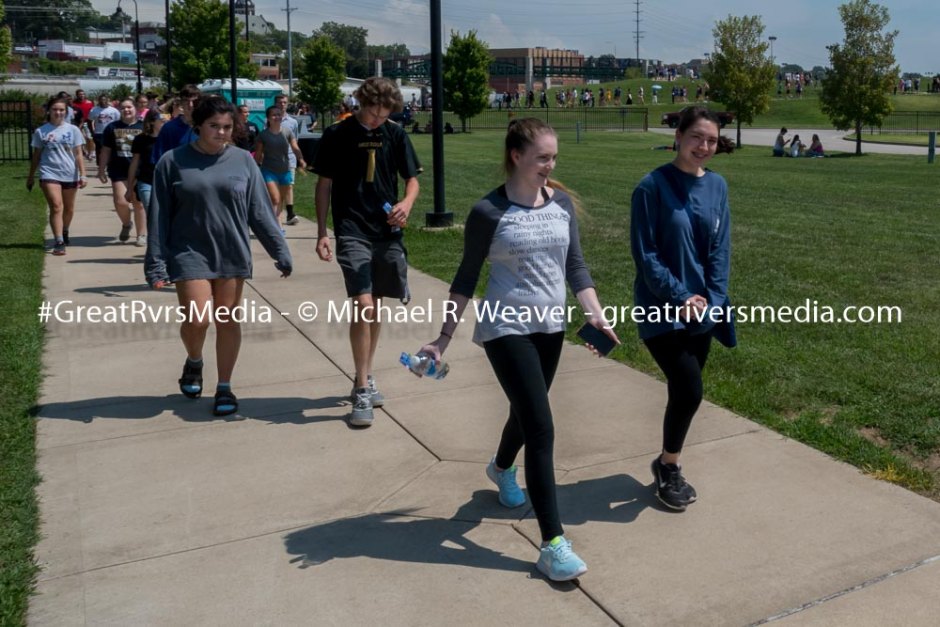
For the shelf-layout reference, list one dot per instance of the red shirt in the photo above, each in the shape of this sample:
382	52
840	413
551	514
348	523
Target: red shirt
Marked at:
85	106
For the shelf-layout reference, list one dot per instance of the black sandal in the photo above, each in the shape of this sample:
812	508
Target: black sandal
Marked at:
192	378
225	403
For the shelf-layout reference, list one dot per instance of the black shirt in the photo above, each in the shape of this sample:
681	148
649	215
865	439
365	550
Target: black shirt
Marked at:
247	140
364	167
143	146
119	137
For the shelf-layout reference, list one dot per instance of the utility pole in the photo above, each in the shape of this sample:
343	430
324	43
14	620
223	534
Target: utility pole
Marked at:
638	33
232	52
290	56
247	36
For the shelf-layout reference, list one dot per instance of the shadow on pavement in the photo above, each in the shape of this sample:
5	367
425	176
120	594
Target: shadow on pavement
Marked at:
273	410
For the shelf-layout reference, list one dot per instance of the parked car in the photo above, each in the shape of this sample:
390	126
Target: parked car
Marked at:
672	119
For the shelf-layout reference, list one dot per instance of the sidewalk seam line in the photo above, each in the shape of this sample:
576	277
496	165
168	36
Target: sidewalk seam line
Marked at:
841	593
337	366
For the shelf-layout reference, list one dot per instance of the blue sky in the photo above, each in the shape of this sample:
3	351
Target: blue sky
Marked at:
672	30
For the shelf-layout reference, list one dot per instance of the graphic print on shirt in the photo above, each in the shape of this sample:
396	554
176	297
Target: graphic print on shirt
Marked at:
370	147
533	238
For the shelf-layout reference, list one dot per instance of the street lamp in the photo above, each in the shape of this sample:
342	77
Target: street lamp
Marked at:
169	78
772	39
140	86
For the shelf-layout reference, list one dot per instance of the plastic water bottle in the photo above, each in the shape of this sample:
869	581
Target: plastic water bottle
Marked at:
423	365
387	207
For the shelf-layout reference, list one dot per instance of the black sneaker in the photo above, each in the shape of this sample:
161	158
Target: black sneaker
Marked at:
125	233
65	237
671	487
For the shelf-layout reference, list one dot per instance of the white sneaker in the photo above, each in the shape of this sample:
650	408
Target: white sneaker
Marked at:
142	240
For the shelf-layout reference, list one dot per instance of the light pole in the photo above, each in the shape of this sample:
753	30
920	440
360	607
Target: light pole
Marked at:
140	85
772	39
169	82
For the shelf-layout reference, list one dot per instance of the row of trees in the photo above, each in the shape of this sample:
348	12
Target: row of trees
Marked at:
857	84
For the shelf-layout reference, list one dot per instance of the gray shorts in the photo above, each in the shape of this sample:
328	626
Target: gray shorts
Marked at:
377	268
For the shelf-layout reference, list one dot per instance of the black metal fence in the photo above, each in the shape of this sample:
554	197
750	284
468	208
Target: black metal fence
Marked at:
16	128
590	118
913	122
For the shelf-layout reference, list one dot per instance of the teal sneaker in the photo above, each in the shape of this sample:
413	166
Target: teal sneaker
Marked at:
510	494
558	562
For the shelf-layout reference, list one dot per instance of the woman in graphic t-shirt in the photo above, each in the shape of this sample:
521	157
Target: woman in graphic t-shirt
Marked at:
528	230
57	155
115	162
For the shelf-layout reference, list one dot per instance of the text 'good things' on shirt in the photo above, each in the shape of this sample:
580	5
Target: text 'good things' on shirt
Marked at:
532	252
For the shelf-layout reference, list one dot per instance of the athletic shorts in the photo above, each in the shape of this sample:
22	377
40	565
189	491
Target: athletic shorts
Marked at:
64	184
284	179
377	268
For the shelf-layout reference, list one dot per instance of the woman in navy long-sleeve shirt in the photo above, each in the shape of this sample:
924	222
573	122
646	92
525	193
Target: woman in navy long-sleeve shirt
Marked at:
681	244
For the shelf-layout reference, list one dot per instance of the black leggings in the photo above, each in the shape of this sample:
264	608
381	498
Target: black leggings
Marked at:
681	357
525	367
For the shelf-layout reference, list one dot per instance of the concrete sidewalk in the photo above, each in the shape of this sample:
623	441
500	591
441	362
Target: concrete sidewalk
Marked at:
156	513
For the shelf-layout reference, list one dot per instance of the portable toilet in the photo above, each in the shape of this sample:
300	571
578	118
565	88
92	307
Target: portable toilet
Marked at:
258	95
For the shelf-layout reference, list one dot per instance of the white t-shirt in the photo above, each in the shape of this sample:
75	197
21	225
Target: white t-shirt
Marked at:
103	116
58	143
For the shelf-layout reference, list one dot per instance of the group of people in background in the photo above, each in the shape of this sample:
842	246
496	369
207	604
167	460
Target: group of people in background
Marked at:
200	192
785	146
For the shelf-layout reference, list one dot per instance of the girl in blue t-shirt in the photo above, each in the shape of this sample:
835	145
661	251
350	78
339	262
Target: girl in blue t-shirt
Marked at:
680	239
57	154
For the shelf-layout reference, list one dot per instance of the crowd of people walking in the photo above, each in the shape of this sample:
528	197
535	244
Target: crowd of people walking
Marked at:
196	179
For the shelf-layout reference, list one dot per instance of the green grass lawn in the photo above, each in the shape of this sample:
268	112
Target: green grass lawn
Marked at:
784	111
21	258
841	231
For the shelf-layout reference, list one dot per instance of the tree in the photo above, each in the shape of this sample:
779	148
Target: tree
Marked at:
352	41
6	44
51	19
322	71
389	51
855	90
200	43
739	69
466	76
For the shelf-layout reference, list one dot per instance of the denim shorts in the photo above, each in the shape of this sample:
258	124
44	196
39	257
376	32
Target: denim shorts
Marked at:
143	193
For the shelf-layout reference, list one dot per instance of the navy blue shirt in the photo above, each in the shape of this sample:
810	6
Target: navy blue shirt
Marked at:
680	236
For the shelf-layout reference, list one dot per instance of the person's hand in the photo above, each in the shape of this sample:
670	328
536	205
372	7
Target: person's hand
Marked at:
29	183
285	270
129	195
604	327
398	216
323	249
159	284
103	176
693	307
434	350
82	183
302	166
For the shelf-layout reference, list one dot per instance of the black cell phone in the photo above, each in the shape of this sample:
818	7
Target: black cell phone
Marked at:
596	338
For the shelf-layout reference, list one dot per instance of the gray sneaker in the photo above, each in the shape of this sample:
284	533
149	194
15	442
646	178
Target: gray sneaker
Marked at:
293	220
376	397
361	415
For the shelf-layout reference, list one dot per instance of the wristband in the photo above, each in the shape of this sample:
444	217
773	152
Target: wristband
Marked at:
445	334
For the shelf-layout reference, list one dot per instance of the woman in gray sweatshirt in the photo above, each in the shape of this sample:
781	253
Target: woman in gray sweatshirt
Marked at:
206	195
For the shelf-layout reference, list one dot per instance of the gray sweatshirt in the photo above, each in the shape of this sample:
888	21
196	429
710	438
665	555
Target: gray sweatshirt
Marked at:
200	211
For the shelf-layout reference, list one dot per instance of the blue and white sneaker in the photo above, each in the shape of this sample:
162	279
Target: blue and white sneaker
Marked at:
510	494
558	562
